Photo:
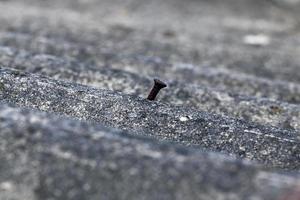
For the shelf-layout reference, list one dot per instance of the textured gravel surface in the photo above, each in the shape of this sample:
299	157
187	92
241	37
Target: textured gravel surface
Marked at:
153	66
67	159
269	145
75	123
258	110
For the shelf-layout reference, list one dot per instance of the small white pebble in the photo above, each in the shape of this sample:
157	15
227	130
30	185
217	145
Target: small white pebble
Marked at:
242	148
6	186
264	152
132	115
184	66
184	119
257	40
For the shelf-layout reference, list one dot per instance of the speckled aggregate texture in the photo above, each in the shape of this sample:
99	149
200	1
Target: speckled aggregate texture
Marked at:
269	145
97	162
258	110
75	122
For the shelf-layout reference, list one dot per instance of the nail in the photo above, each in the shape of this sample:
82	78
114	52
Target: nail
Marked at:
158	85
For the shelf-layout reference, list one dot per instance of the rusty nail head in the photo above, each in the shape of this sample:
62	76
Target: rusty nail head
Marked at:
158	85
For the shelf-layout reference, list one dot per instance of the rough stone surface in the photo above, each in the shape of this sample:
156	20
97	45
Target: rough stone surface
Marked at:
156	66
258	110
232	102
67	159
269	145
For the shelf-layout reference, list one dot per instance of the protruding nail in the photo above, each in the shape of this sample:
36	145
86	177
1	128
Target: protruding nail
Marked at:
158	85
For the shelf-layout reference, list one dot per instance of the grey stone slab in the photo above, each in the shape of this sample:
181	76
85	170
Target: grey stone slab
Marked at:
258	110
251	37
49	157
159	65
216	56
274	147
